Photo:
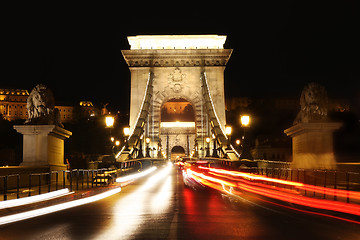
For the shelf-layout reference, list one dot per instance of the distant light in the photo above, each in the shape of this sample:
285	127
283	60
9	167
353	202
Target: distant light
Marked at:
147	140
237	141
117	143
207	139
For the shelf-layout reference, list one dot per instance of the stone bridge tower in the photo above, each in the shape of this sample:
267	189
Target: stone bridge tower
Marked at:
177	63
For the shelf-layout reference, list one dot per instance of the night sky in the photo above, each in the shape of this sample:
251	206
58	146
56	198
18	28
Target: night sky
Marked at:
278	47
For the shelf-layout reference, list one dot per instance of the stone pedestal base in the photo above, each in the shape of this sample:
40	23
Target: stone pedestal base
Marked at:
313	145
43	145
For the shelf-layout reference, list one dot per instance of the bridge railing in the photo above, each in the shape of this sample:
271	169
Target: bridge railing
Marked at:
14	186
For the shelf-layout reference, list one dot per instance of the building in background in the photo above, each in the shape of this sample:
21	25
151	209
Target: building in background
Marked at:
13	103
13	106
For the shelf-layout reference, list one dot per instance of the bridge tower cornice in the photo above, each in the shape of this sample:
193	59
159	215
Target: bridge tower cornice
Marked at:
176	57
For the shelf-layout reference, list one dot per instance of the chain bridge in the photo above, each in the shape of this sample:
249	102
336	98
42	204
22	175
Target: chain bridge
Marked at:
177	97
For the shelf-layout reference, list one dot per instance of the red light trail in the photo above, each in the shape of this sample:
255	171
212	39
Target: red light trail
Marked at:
233	181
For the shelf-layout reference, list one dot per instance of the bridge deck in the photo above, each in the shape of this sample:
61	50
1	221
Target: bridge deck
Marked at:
161	207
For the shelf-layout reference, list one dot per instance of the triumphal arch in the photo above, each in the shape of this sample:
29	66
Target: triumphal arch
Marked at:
177	100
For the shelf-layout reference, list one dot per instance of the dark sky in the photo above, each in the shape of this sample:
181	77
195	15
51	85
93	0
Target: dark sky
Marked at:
278	47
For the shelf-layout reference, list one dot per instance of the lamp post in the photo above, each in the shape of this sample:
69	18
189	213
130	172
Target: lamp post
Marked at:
140	154
228	131
126	131
117	144
245	122
214	155
109	122
147	140
207	147
237	142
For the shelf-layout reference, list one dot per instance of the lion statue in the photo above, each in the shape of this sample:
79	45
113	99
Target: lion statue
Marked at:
314	104
41	107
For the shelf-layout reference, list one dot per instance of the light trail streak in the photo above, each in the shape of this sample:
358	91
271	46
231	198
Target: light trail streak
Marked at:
129	210
253	176
247	182
55	208
307	211
212	179
135	175
305	201
306	187
34	199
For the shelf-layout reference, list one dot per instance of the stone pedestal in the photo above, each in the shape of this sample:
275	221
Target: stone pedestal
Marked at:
43	145
313	145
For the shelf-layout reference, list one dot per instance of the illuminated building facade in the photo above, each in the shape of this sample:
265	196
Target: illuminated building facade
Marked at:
13	103
13	106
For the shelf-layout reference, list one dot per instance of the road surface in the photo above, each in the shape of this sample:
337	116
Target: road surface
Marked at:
161	207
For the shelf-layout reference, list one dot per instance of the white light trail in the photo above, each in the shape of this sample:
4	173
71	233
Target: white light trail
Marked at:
43	211
34	199
136	175
128	213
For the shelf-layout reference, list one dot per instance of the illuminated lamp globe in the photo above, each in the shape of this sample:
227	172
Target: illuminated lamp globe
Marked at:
126	131
228	130
109	121
245	120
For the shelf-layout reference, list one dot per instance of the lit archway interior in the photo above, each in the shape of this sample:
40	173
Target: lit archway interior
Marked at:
177	110
177	127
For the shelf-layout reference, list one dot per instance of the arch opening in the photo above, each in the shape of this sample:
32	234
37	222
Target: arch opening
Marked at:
177	110
177	152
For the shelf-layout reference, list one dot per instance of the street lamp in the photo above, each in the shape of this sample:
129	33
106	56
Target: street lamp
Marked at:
117	144
214	155
109	121
126	131
245	122
147	140
140	154
207	147
228	131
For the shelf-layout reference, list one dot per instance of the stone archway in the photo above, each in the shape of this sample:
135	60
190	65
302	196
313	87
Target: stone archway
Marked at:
177	126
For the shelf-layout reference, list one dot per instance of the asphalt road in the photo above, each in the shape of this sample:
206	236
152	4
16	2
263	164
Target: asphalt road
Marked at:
161	207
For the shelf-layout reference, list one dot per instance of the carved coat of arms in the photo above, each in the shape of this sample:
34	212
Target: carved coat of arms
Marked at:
175	80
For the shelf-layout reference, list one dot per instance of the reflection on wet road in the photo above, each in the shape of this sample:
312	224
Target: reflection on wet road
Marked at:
161	207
